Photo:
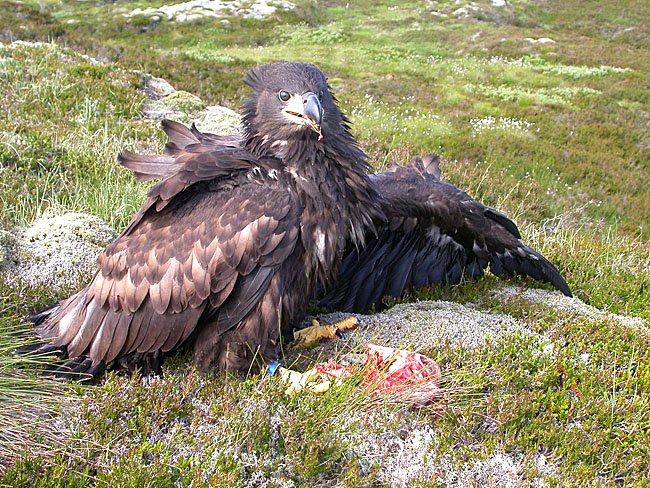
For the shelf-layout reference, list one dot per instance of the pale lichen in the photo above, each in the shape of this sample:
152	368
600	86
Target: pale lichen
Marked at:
567	306
429	324
219	120
401	450
56	251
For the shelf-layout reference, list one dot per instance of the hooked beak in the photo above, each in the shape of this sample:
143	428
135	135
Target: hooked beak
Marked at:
312	108
306	109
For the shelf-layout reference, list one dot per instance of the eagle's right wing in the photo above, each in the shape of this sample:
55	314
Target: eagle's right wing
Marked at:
204	246
435	233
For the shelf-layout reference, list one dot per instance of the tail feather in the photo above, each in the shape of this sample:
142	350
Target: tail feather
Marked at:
78	369
431	165
39	317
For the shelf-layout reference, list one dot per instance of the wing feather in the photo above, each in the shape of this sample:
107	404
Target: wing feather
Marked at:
138	289
250	290
85	332
179	329
105	286
134	329
180	137
104	336
120	335
160	292
438	234
206	243
147	329
159	329
200	278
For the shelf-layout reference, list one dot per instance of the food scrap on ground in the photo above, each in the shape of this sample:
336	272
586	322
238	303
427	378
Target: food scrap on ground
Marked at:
398	375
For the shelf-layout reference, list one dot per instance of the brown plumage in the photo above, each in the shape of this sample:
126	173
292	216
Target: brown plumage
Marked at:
232	243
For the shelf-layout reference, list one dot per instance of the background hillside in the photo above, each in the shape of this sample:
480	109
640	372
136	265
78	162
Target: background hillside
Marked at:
539	109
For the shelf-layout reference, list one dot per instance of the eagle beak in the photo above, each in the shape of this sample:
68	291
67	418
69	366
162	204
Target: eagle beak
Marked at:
313	111
312	108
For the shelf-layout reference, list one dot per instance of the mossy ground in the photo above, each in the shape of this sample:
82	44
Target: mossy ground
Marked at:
553	134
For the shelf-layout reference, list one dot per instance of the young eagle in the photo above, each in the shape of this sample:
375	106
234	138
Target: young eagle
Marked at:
233	242
242	232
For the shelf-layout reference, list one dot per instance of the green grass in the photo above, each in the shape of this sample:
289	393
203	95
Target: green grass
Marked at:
61	135
27	402
553	134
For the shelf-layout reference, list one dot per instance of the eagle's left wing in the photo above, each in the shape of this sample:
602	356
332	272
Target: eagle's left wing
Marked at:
435	233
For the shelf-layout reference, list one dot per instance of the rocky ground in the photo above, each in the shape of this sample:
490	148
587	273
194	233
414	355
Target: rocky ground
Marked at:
198	9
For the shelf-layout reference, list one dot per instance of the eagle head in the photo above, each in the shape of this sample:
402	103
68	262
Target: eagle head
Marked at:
290	101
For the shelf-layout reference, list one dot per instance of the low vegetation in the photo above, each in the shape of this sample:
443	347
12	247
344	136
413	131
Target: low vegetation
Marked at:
538	109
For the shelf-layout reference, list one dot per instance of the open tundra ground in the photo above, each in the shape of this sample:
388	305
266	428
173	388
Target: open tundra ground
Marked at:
540	109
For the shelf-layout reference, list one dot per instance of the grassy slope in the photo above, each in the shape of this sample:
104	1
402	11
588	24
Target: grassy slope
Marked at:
538	130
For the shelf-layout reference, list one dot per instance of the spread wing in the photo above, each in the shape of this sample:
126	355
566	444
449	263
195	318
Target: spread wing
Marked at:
435	233
205	244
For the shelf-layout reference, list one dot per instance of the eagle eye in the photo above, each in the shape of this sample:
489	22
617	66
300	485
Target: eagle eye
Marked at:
284	95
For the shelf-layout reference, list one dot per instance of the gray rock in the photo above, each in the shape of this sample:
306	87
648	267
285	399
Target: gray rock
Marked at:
168	103
541	40
178	105
56	251
156	88
196	9
219	120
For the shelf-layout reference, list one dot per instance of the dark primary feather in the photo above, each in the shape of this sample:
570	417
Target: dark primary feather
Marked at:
435	233
230	244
